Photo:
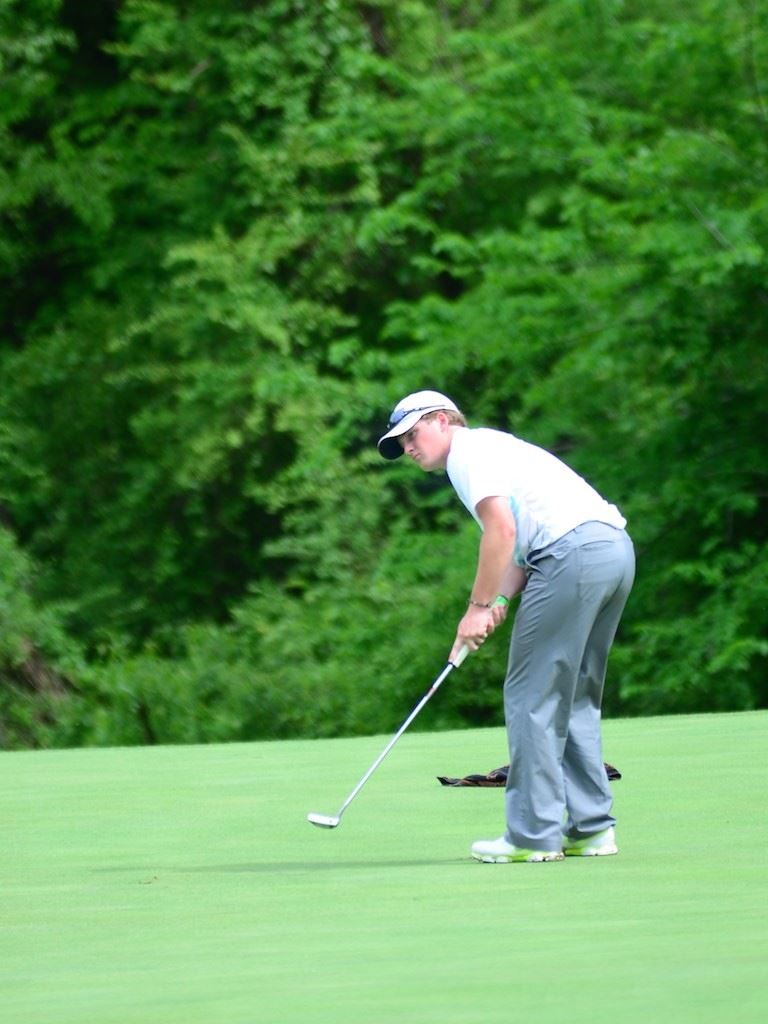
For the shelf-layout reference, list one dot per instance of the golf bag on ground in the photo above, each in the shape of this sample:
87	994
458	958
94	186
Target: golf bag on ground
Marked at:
498	777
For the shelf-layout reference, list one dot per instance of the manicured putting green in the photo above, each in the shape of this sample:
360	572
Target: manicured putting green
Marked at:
184	885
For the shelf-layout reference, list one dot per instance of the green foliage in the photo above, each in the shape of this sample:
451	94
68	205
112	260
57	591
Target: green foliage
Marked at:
37	658
232	237
724	623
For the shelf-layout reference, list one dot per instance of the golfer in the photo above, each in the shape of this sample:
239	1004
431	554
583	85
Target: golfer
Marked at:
548	535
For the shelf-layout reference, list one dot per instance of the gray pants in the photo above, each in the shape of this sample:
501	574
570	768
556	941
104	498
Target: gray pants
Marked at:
563	631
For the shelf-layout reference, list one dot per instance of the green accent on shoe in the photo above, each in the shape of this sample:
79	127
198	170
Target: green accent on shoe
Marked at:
517	856
521	857
601	844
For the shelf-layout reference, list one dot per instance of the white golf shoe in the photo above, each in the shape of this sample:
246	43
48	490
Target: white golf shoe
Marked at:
601	844
499	851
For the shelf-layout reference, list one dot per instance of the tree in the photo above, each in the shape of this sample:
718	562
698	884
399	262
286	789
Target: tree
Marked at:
233	238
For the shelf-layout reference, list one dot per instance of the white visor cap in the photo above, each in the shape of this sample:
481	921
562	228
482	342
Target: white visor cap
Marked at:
408	412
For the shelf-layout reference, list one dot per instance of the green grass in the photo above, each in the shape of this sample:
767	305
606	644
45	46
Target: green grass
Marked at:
180	885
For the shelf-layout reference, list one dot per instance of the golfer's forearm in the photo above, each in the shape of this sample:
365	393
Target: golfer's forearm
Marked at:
513	581
493	565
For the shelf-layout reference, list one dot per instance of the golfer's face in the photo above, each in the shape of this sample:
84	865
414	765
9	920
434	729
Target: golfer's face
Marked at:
427	443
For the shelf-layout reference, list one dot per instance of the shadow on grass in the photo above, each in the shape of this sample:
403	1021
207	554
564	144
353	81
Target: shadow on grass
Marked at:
281	867
337	865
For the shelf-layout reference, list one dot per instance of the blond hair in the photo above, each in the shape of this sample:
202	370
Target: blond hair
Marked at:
454	417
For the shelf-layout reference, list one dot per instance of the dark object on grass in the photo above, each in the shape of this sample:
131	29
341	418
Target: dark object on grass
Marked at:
498	777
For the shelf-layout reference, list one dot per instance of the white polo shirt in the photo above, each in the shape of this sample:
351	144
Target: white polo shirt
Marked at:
547	498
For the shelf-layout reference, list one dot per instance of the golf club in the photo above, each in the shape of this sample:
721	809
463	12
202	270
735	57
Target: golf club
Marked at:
329	821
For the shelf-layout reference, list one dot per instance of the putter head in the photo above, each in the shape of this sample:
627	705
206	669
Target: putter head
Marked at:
323	820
